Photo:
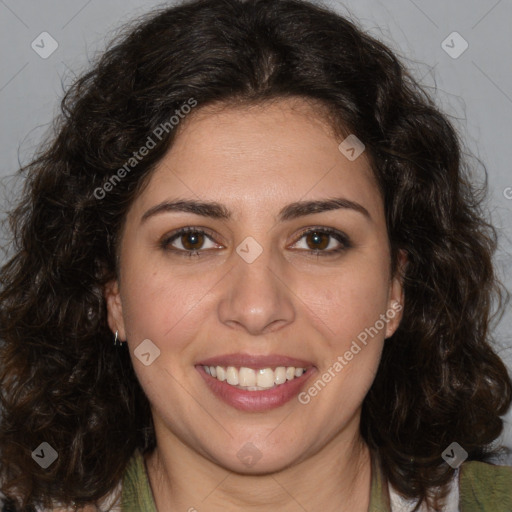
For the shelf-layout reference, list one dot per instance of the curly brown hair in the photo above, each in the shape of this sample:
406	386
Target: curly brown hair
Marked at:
62	380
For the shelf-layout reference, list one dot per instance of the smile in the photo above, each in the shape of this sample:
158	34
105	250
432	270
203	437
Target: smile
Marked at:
255	383
252	379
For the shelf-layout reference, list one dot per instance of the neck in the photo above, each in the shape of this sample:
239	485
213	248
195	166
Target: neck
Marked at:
335	479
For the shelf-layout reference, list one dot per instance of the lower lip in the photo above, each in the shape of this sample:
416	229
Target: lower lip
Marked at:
256	401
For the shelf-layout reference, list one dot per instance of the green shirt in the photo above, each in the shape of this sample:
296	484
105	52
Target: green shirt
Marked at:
482	488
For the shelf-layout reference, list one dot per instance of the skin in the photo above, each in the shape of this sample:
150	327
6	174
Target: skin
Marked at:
255	160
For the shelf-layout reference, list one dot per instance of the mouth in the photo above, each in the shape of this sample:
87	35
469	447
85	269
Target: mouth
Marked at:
251	379
255	383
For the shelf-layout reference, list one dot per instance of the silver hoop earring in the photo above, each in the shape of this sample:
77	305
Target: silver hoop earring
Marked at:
117	343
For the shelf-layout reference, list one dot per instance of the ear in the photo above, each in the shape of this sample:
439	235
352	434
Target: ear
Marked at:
396	296
114	309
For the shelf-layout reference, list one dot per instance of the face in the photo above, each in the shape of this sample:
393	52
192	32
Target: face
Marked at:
265	281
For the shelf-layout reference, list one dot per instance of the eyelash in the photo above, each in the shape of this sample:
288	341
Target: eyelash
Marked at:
337	235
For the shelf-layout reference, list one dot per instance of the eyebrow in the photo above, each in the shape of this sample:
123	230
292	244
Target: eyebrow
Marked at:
291	211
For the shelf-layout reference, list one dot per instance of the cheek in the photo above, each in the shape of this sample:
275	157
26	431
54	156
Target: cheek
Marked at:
162	307
347	303
163	303
346	311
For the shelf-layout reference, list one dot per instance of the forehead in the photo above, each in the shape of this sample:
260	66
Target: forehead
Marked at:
260	157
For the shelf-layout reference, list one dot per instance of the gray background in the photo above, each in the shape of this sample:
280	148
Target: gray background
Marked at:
475	88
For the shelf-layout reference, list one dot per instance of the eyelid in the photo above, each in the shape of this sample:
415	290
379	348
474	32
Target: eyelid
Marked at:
174	235
339	236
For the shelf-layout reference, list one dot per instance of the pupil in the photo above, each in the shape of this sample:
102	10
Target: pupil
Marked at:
192	239
317	237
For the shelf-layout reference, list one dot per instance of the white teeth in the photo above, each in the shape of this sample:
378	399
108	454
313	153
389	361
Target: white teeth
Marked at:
280	375
232	376
247	377
265	378
254	380
221	373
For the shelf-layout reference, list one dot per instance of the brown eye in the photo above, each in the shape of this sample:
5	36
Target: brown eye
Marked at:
319	240
324	241
188	241
193	240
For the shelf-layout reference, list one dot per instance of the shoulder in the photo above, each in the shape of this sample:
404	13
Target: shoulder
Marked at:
475	487
485	487
399	503
136	493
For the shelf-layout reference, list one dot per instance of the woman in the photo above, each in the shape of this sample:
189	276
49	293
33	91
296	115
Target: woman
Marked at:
250	263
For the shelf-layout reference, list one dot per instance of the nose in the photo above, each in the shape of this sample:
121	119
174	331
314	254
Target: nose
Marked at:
255	297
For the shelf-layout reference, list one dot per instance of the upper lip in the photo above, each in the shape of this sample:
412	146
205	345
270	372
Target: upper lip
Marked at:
255	361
